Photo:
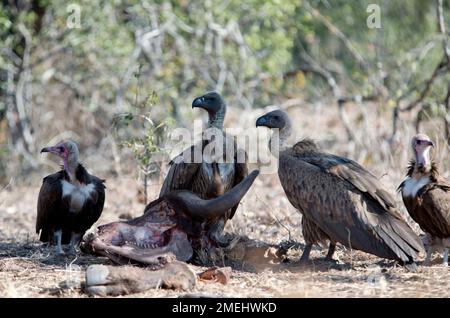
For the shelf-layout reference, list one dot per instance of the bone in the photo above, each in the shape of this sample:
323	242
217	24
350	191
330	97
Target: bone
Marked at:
97	275
102	280
179	246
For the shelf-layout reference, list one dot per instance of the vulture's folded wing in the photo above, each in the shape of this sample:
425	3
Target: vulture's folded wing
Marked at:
182	171
436	201
49	200
356	175
240	173
98	199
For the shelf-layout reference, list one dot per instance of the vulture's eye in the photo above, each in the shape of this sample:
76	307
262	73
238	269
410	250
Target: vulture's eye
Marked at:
277	117
61	149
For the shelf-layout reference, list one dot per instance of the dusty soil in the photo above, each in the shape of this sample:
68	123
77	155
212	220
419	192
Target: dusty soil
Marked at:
29	269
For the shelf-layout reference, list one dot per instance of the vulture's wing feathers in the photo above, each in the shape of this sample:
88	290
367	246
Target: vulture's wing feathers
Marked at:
97	199
49	201
436	201
348	204
181	173
241	171
353	173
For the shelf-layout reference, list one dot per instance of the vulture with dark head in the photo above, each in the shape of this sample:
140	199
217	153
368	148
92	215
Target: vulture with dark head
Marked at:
70	200
340	200
426	195
203	171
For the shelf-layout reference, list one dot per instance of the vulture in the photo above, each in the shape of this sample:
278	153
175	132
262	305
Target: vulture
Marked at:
70	200
203	171
426	196
339	199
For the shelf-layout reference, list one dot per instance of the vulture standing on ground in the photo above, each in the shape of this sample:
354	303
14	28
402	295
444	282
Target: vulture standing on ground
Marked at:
340	200
427	195
70	200
206	173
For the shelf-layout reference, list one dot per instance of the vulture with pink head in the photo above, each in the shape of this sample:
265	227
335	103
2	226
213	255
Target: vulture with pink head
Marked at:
70	200
340	200
426	195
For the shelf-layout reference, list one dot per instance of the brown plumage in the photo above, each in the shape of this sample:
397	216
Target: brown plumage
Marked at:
426	194
70	201
213	177
346	203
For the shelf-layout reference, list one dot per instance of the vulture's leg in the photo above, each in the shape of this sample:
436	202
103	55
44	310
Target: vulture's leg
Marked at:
216	233
75	240
58	236
330	253
428	257
305	256
445	260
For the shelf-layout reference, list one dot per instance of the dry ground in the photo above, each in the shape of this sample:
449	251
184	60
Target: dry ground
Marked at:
28	269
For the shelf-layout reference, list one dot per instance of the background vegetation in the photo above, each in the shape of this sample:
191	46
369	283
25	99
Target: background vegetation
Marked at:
153	57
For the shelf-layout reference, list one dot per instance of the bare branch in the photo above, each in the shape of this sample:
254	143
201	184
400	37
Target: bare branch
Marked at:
341	36
440	13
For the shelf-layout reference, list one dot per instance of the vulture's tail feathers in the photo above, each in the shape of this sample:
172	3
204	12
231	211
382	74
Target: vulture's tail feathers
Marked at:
400	238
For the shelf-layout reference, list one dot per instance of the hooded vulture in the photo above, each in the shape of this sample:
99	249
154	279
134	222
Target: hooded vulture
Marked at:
427	195
340	200
70	200
211	167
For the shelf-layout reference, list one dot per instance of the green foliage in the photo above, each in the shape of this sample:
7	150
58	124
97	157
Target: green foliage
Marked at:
183	48
137	131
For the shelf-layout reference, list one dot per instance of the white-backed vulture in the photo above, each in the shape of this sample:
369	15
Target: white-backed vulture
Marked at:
339	199
208	174
70	200
426	195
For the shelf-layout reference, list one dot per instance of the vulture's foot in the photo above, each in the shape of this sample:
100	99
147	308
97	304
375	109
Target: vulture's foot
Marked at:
75	242
104	280
59	251
331	260
73	250
331	250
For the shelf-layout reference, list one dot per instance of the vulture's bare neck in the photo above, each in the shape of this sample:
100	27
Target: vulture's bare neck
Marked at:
71	165
216	119
422	165
279	140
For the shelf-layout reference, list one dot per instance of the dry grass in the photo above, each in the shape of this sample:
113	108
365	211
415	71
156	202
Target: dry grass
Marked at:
28	269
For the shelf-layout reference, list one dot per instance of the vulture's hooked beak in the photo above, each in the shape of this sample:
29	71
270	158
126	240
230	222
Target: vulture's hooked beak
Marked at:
46	149
55	150
198	102
262	121
430	143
